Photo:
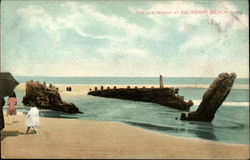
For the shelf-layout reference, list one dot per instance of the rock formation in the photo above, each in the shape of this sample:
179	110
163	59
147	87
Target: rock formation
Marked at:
212	99
163	96
43	97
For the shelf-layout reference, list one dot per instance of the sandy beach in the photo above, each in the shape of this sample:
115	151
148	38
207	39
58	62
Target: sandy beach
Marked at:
67	138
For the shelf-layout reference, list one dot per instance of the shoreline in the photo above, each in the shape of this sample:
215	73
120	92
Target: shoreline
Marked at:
71	138
154	131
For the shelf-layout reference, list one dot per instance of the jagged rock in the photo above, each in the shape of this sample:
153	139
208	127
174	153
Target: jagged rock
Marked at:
212	99
43	97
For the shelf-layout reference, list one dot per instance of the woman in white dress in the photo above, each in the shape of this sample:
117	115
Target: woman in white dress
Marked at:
32	119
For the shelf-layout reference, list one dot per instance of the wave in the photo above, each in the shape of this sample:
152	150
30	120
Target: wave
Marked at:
205	86
154	127
242	104
199	125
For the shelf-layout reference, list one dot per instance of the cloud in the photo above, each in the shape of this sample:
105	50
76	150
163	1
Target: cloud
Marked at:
76	17
203	30
80	17
132	52
166	44
197	42
119	49
37	16
118	46
224	21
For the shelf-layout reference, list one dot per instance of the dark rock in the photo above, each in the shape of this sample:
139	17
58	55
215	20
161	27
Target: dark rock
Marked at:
162	96
212	99
39	95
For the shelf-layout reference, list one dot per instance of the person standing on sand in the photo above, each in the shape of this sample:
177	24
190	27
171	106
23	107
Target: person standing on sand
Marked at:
12	102
2	102
32	119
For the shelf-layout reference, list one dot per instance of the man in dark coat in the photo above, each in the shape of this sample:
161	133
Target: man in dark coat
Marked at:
2	102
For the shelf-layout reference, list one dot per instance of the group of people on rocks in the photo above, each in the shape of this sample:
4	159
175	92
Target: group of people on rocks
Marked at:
32	120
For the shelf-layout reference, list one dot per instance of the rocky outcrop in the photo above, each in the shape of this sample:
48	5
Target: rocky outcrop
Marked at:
46	97
163	96
212	99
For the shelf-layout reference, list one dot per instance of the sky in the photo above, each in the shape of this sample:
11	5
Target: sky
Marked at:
124	38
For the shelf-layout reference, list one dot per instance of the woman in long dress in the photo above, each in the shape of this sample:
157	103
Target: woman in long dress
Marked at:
32	120
12	102
2	102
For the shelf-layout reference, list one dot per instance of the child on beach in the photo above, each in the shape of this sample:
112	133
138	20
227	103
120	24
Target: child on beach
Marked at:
32	119
12	102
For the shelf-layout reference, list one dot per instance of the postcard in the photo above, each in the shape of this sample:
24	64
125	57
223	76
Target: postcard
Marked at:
121	79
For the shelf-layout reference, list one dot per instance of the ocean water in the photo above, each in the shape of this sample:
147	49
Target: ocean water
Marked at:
231	123
123	80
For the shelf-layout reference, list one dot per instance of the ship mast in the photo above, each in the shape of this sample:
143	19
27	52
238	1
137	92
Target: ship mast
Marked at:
161	81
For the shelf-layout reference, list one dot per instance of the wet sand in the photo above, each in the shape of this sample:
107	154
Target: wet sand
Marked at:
71	138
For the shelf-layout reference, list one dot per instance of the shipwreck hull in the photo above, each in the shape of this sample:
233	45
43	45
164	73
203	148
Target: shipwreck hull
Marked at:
163	96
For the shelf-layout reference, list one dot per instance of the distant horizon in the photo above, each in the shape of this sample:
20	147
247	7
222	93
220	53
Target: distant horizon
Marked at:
126	80
119	76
